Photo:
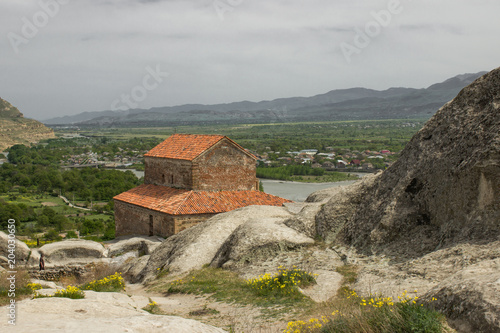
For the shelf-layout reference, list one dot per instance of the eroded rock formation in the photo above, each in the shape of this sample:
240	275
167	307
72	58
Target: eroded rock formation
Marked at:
443	190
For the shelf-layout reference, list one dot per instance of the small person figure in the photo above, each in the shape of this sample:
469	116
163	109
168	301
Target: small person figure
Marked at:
42	262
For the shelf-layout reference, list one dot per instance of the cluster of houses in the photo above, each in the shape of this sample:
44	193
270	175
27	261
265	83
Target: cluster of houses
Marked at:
121	159
329	160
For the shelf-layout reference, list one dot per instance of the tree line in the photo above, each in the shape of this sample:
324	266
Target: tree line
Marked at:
85	184
288	171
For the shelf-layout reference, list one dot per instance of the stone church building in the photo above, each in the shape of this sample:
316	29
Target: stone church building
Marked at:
188	179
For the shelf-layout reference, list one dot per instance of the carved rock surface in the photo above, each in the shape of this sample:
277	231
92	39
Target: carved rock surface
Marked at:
71	251
445	187
225	237
470	299
97	312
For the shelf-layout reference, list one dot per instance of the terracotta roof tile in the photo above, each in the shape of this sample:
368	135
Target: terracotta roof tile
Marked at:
188	146
184	146
185	202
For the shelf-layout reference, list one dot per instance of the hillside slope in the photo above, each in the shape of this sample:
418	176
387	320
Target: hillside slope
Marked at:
15	129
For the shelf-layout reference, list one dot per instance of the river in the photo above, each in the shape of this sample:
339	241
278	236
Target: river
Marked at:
295	191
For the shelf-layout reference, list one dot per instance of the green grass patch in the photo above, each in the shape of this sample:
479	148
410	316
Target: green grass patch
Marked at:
349	273
227	286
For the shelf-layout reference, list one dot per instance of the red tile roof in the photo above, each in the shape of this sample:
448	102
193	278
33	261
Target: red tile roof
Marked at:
187	146
185	202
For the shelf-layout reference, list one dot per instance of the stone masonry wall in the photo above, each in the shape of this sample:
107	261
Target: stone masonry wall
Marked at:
188	221
168	172
131	219
224	167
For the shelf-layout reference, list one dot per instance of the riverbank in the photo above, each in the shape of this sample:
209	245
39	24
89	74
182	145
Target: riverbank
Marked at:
297	191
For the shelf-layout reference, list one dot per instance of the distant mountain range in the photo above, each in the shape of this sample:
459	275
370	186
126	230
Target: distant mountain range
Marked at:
343	104
15	129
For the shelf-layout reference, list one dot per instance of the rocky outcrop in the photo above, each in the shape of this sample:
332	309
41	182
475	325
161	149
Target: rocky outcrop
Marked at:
259	238
72	251
22	251
443	190
143	245
431	221
233	238
97	312
340	206
15	129
470	299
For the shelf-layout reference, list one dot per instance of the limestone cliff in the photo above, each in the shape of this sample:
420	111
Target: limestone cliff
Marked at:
15	129
445	187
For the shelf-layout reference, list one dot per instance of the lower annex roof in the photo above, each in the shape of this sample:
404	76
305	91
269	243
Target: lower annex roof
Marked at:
188	202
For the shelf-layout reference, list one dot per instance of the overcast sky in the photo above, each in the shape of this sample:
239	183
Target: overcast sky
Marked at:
63	57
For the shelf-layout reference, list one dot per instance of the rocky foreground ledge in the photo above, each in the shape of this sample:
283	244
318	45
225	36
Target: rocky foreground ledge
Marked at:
97	312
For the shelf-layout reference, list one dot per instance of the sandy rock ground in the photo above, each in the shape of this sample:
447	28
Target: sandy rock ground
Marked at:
97	312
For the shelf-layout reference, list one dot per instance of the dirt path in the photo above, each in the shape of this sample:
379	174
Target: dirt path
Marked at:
230	317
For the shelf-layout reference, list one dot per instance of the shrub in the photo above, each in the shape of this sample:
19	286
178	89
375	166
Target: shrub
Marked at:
69	292
285	281
34	286
71	234
52	235
152	307
32	243
110	283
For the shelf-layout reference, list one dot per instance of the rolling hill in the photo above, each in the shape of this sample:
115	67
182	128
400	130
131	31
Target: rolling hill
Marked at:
343	104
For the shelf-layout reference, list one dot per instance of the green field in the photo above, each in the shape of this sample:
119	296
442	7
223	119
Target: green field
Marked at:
354	135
